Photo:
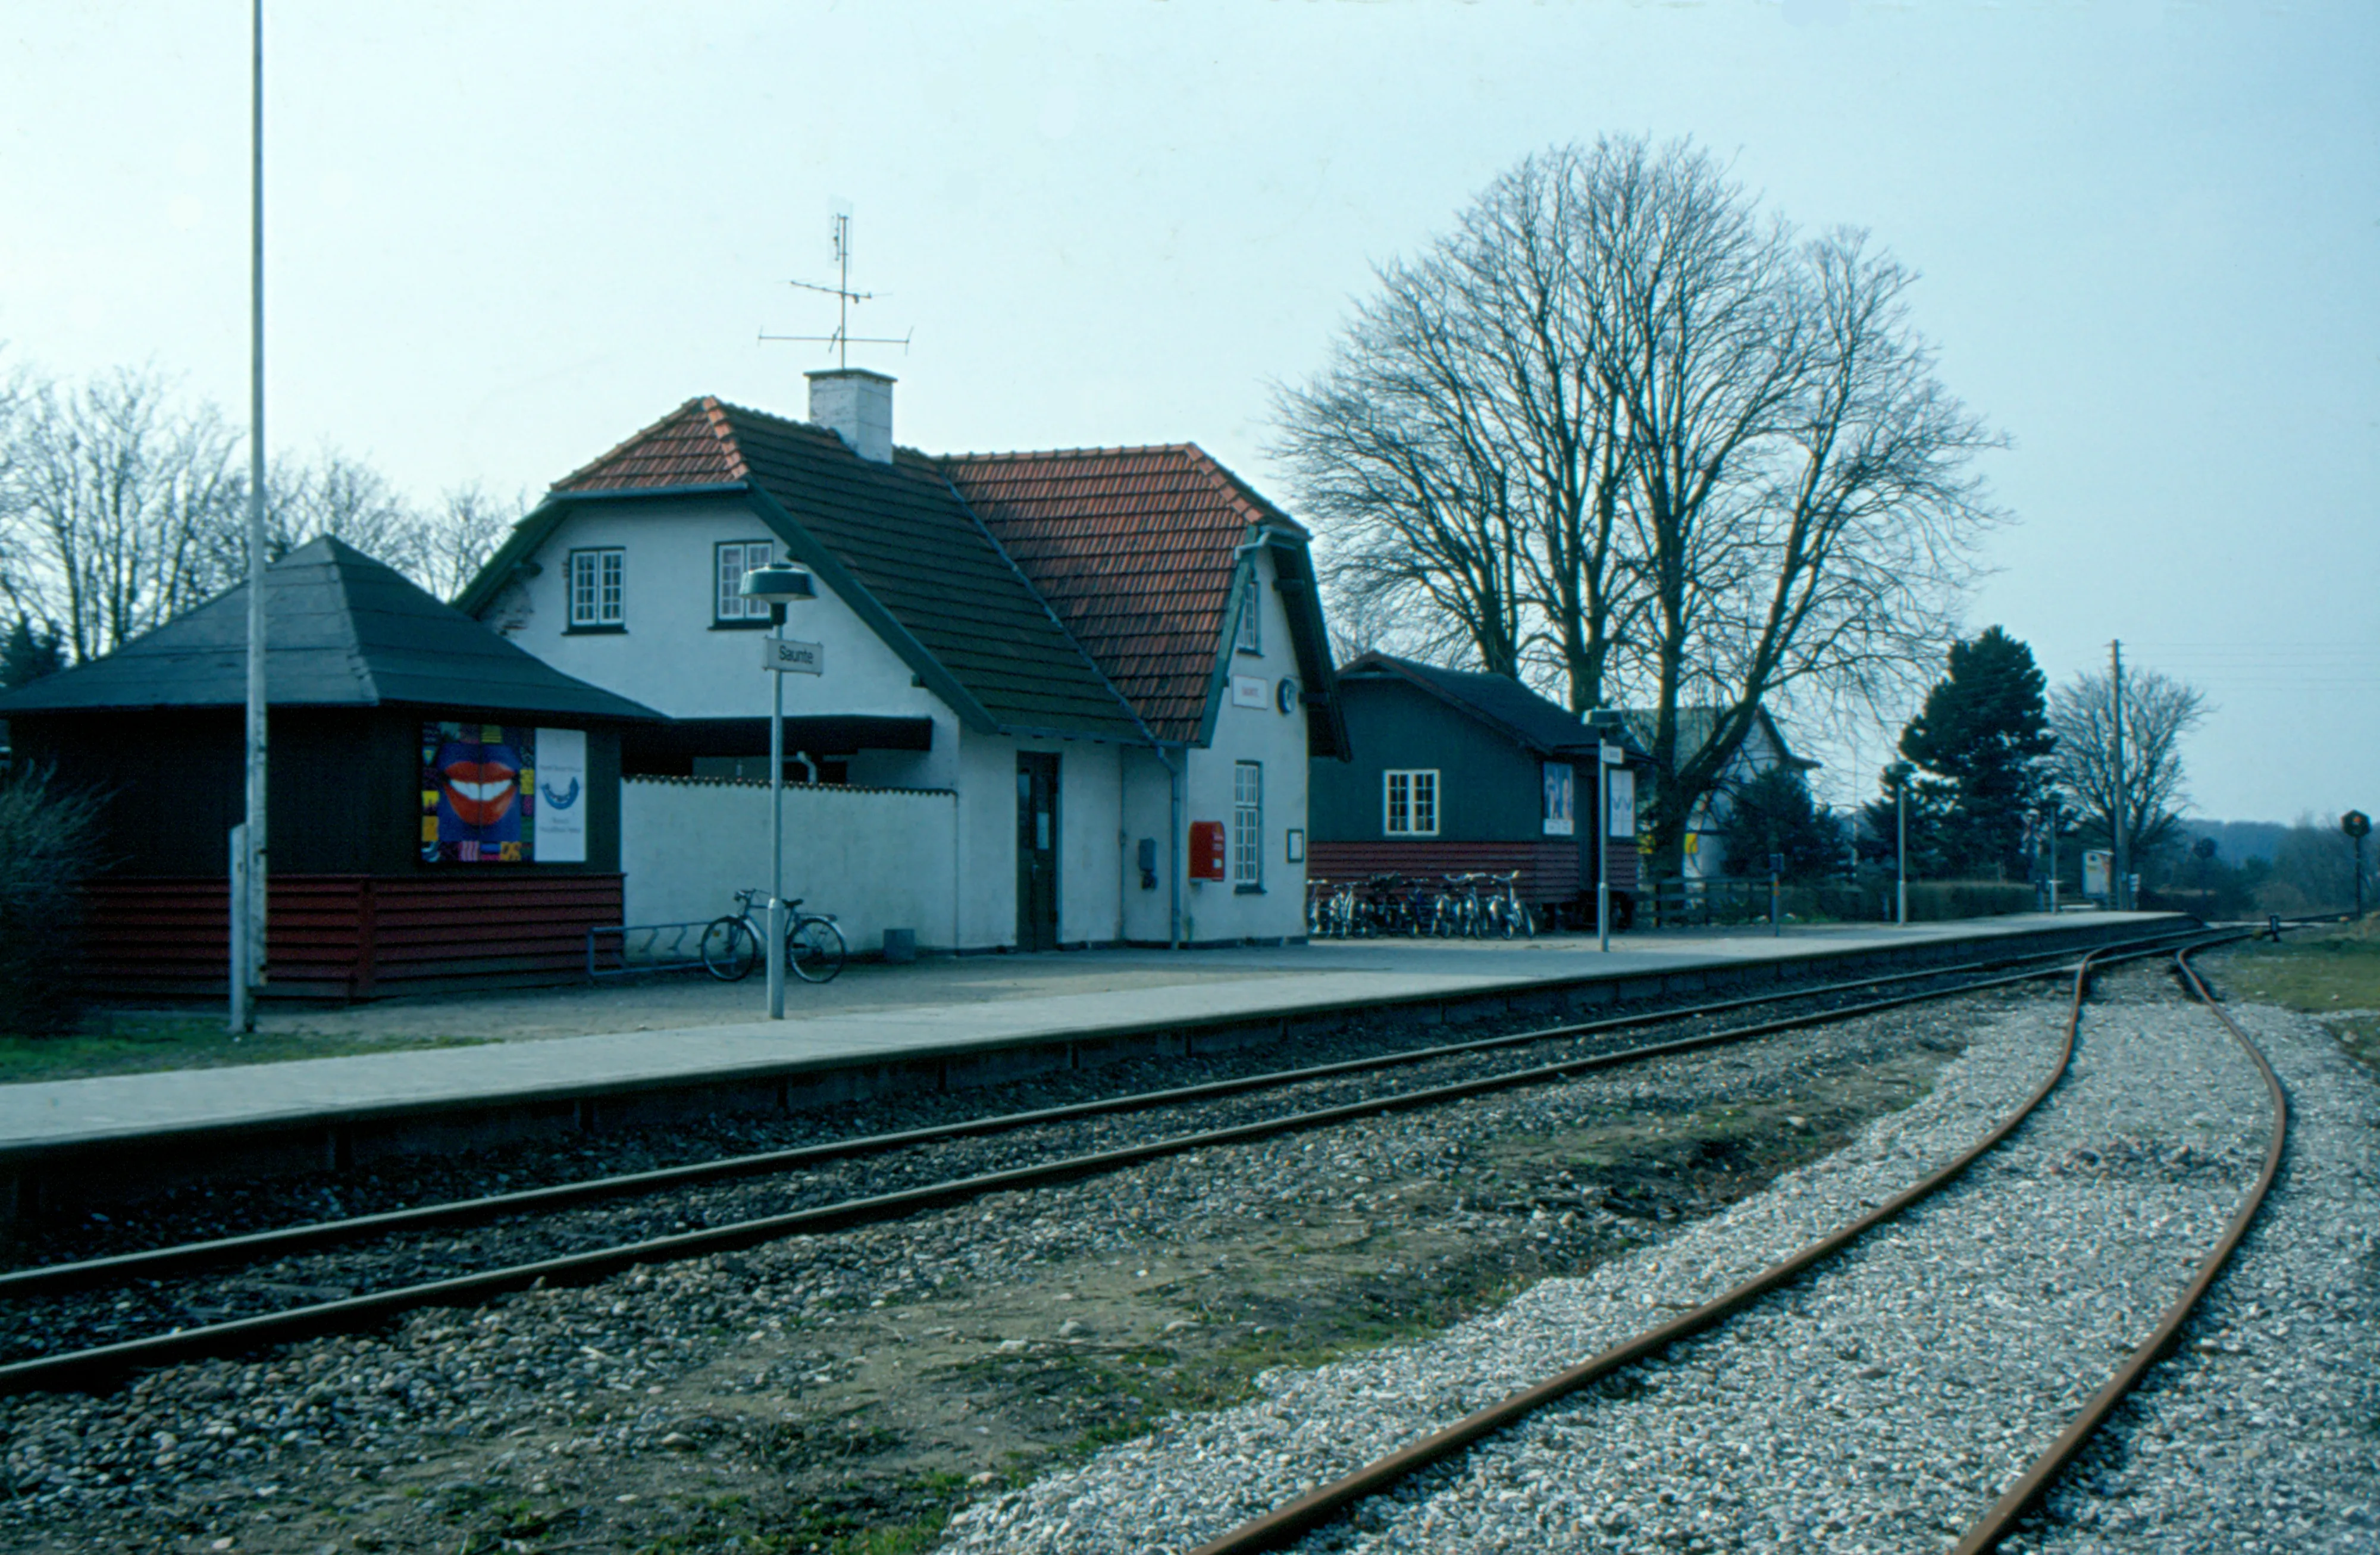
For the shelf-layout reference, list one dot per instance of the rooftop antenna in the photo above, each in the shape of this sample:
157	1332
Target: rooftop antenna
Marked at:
842	340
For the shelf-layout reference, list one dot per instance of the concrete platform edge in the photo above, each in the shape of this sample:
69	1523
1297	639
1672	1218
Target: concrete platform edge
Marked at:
94	1170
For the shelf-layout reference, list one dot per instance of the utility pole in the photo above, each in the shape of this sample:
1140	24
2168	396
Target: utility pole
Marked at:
2123	892
250	888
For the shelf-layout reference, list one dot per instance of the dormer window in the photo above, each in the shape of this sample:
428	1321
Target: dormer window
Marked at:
1250	636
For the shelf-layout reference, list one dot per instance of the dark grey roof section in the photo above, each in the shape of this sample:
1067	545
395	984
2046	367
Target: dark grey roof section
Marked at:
913	544
1694	726
1497	700
341	630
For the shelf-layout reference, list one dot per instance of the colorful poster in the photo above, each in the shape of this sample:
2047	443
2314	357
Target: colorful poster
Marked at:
562	796
479	794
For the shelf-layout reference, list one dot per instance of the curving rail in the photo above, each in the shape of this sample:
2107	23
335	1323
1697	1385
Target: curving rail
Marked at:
1286	1524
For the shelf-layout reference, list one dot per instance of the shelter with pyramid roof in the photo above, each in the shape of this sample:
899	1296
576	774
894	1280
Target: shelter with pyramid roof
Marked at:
444	807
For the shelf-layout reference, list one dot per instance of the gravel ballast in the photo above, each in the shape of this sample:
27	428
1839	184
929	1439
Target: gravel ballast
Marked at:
822	1386
1881	1402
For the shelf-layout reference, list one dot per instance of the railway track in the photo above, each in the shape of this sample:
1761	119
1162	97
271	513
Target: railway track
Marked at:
1331	1501
93	1363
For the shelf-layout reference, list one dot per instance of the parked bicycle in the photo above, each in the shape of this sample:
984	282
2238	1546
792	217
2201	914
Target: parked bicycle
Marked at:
731	945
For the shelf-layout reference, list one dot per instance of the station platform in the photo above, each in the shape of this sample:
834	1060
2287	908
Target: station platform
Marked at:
112	1138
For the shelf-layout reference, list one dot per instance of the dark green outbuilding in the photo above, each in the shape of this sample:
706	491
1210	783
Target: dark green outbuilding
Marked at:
1458	772
370	682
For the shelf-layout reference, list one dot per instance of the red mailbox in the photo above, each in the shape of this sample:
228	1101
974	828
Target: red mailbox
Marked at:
1208	851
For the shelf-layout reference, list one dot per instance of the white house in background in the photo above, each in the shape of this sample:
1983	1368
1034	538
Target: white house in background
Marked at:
1052	683
1764	749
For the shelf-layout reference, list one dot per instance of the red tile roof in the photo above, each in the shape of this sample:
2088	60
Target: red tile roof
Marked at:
901	533
1133	549
693	445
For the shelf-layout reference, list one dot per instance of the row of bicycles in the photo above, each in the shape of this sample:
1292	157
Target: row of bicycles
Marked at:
1476	907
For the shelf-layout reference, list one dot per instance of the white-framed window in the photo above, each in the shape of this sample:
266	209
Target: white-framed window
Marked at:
1247	823
736	557
1248	637
599	581
1409	803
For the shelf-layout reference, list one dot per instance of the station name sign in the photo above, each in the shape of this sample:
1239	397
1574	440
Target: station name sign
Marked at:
787	656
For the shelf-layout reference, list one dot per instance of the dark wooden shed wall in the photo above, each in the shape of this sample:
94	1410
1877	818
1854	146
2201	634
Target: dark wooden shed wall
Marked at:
345	795
1489	788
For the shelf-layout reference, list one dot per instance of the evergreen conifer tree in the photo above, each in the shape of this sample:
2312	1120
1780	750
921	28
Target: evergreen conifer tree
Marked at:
27	655
1984	732
1774	814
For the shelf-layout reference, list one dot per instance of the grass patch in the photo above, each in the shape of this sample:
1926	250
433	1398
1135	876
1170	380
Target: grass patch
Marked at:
904	1518
137	1045
2321	971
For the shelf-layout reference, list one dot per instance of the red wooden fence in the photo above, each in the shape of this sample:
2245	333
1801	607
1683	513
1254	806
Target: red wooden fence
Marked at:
347	936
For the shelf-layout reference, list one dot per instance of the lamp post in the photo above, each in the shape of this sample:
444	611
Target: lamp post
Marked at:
1898	775
1607	755
2050	810
2358	826
776	585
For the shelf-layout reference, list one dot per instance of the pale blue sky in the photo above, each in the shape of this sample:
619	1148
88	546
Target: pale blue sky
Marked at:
504	238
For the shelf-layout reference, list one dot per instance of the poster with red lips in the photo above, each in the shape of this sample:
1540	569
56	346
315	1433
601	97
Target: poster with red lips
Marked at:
479	794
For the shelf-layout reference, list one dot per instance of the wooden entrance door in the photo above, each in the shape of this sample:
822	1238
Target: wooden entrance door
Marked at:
1036	851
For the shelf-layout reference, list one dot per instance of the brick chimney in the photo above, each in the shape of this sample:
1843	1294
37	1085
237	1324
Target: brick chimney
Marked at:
856	405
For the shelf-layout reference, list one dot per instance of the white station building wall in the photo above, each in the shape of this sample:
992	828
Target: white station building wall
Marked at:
670	655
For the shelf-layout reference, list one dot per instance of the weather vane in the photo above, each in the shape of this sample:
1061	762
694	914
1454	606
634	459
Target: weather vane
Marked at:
842	340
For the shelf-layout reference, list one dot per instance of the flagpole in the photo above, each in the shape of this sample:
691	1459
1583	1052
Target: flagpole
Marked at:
250	893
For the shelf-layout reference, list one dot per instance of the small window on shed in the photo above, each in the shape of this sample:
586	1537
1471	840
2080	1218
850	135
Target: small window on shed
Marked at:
1409	803
1250	636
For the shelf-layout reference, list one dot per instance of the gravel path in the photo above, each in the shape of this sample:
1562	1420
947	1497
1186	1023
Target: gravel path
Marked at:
1880	1404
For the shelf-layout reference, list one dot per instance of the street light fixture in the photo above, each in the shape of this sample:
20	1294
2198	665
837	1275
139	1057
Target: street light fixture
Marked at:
776	585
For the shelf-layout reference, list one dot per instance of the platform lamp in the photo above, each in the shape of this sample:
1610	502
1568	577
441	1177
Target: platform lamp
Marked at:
776	585
1899	775
1609	753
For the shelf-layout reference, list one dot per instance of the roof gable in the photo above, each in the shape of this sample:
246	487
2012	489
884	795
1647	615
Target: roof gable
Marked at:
693	445
1695	723
1138	551
341	630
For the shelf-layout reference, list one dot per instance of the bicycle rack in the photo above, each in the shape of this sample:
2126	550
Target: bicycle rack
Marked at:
663	947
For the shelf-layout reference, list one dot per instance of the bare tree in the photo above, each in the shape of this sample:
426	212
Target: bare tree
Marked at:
120	507
1620	423
2158	710
112	499
460	536
1462	469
